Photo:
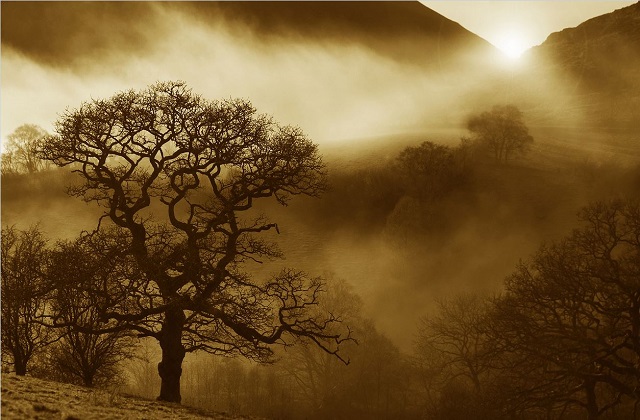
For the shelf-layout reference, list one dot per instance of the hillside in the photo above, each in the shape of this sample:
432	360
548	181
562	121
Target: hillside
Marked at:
404	31
598	65
30	398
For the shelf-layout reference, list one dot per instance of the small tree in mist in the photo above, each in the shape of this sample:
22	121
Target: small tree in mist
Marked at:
82	356
502	131
21	150
176	174
24	296
320	378
454	353
426	175
429	169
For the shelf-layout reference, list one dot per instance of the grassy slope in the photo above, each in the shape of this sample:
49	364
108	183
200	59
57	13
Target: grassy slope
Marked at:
30	398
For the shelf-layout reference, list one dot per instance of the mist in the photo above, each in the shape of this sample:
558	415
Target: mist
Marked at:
221	59
365	96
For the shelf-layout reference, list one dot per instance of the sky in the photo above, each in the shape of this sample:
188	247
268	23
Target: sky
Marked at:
517	25
63	55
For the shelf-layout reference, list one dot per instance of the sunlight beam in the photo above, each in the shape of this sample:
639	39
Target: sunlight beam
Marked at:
511	46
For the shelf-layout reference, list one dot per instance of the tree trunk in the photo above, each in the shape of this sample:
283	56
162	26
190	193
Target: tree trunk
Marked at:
170	368
87	379
20	365
592	406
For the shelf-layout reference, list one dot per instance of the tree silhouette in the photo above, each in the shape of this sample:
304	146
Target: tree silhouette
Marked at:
24	296
458	333
178	177
454	357
74	274
569	322
502	131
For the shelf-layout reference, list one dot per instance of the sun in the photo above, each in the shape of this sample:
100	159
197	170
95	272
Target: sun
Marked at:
511	45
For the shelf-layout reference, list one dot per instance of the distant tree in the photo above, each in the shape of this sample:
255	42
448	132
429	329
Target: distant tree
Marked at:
502	131
425	175
21	151
454	354
82	356
568	325
429	169
8	163
375	383
458	332
24	296
142	371
175	174
319	377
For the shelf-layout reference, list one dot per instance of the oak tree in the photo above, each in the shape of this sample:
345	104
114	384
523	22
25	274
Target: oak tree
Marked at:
178	176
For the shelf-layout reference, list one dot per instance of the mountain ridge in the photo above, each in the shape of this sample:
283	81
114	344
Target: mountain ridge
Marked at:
57	34
585	77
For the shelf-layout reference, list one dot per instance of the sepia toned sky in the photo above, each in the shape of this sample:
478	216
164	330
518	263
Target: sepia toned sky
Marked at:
310	73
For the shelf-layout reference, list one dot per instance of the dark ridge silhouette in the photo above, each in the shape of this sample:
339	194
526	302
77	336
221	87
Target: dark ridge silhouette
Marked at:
58	34
405	30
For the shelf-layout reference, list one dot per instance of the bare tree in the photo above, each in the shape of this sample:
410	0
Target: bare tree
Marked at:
21	154
454	357
8	164
569	321
176	174
82	355
319	378
458	333
502	131
24	296
375	383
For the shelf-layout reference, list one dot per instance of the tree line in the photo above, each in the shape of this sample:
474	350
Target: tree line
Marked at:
561	340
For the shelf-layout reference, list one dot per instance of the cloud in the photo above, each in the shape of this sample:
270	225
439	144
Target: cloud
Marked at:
68	34
333	90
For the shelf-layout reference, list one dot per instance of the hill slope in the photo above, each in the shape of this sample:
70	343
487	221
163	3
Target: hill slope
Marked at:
30	398
406	31
599	62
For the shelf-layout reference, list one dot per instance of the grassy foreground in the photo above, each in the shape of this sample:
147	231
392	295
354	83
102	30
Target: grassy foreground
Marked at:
31	398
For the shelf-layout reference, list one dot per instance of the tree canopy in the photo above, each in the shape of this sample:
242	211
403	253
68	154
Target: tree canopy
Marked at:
175	174
561	341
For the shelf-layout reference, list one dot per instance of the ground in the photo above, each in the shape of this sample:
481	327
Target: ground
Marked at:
24	397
